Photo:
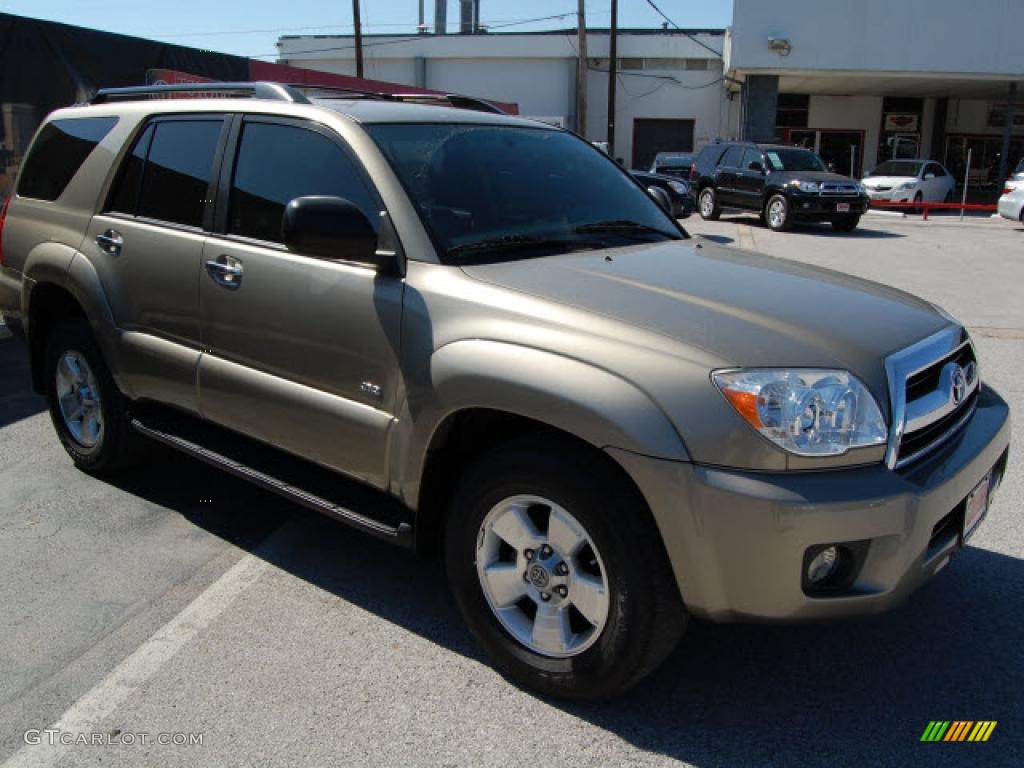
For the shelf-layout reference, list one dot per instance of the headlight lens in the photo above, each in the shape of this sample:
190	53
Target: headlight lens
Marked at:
809	412
678	187
806	186
908	185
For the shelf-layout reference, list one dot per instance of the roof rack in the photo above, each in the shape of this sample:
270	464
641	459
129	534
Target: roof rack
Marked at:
256	90
295	93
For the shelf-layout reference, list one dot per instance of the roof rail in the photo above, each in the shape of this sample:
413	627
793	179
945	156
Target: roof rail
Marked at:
256	90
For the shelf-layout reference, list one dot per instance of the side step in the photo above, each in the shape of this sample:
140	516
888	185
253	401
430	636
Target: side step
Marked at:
295	479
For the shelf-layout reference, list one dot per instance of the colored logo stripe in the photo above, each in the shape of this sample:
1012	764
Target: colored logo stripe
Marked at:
958	730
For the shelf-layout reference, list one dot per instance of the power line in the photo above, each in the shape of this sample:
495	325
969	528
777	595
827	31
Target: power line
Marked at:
692	37
413	37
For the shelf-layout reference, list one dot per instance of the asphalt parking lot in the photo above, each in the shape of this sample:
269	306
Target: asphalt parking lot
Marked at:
176	600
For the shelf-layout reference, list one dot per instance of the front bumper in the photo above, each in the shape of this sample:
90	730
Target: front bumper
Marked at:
736	539
811	206
893	196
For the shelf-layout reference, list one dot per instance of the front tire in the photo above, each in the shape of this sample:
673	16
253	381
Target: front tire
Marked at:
560	573
776	213
707	204
85	405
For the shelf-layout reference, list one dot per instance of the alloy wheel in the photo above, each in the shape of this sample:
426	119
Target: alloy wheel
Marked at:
78	396
542	576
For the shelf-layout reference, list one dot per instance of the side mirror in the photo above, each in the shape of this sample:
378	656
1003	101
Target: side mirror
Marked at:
832	167
331	228
661	198
929	176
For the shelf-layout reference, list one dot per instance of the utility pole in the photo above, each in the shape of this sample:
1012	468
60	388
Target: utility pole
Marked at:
581	69
359	38
613	73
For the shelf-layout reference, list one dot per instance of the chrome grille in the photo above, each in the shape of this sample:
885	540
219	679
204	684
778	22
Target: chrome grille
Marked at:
933	388
838	188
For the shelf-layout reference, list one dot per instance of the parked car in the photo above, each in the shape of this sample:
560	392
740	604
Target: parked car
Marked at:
783	184
679	193
911	181
677	164
1011	204
523	364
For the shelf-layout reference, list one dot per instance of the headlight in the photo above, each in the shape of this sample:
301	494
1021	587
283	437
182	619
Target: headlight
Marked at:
678	187
809	412
908	185
805	186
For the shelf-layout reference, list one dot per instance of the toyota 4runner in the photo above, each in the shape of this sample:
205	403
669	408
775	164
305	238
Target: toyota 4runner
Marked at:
782	184
476	336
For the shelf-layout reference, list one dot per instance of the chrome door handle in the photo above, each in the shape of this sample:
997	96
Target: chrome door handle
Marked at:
110	242
225	271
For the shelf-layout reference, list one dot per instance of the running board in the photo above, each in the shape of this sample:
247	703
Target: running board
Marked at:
184	440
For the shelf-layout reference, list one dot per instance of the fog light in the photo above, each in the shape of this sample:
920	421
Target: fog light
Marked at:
823	565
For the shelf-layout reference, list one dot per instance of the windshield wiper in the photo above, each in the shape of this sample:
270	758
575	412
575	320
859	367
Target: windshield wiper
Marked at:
624	226
519	243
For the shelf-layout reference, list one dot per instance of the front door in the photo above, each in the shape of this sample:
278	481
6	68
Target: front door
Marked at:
300	352
146	245
749	186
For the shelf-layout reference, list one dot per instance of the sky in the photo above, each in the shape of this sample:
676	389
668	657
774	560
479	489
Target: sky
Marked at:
251	27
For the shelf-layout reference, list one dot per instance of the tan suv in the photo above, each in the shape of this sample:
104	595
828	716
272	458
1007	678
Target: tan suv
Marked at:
602	425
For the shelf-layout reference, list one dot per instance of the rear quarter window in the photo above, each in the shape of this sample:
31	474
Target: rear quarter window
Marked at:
58	152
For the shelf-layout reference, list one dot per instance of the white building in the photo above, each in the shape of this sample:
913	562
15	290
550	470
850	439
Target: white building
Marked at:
862	81
858	81
670	94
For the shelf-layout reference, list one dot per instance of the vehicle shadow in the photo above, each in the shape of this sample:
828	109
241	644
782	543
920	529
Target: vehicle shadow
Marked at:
864	231
850	693
720	239
17	400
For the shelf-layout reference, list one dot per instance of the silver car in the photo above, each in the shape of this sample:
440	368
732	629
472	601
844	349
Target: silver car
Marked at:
476	336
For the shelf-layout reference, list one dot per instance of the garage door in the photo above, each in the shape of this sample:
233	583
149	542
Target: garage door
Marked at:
651	136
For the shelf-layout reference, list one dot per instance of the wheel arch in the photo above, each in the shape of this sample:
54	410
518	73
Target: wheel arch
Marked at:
62	284
481	393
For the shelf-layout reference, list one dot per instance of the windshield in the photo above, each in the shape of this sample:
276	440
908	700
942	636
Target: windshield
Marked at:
488	192
896	168
794	160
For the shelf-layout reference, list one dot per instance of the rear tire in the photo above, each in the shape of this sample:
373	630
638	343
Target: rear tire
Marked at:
776	213
847	224
87	410
707	204
601	646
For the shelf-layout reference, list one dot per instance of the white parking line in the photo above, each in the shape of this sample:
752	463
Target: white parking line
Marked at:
86	714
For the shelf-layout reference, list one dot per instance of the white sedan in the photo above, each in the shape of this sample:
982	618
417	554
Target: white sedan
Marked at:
910	181
1011	204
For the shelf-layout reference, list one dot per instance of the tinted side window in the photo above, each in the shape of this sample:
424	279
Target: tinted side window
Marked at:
732	157
58	152
751	156
177	172
276	164
125	196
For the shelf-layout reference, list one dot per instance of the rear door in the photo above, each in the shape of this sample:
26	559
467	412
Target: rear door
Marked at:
301	351
147	244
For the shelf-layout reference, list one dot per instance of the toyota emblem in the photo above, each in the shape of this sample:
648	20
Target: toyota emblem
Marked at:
959	385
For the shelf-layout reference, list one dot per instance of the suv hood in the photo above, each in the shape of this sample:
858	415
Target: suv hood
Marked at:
744	309
784	176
